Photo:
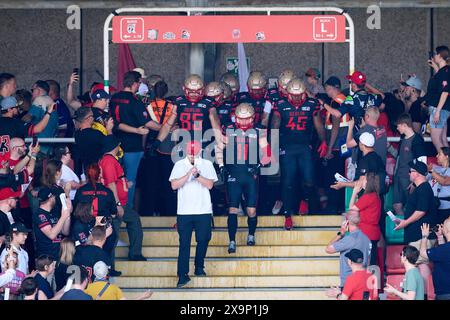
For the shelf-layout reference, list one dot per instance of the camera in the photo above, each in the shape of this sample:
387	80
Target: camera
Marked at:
106	221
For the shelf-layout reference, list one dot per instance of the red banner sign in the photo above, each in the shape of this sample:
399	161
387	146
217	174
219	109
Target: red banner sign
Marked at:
228	29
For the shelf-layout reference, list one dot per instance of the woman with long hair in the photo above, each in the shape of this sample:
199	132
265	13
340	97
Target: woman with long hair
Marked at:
66	253
50	178
369	206
440	173
97	203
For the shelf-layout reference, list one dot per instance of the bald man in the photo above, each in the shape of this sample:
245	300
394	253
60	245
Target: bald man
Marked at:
440	256
349	237
20	159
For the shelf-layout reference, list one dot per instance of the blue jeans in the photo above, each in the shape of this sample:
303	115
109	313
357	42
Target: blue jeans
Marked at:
131	161
443	116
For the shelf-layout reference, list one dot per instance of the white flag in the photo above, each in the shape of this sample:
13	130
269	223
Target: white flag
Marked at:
242	68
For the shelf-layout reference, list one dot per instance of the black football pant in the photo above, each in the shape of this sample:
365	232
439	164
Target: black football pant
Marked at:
295	168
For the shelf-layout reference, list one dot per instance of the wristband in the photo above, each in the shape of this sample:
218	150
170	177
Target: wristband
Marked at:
46	112
118	203
197	175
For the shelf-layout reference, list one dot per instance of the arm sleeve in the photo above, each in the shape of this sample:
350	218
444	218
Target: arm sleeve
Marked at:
141	114
42	221
344	244
7	277
176	172
210	172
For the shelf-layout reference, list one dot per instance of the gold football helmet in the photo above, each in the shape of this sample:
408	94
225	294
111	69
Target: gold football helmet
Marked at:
257	85
193	88
245	116
283	80
296	92
231	80
215	91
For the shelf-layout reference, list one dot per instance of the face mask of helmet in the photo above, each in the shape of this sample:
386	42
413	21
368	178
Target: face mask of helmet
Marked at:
193	95
245	123
257	94
297	99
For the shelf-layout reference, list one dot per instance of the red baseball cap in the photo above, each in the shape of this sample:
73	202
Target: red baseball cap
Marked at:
101	86
193	148
8	193
357	77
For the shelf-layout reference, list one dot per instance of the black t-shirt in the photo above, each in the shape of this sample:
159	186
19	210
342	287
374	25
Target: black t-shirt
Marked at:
372	163
103	201
14	127
418	114
61	275
90	145
438	83
393	107
421	199
87	256
4	222
80	231
76	294
45	245
127	109
44	286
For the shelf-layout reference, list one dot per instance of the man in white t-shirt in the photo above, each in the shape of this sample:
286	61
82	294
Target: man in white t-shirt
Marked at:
67	174
193	177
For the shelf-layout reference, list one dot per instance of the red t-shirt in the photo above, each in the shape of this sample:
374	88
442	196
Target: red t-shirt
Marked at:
369	206
23	201
356	284
113	172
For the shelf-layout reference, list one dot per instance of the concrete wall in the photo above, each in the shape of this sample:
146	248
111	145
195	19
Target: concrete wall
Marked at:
36	44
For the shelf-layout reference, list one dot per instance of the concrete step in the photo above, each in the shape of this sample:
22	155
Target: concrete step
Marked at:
230	282
263	237
236	267
263	221
234	294
243	251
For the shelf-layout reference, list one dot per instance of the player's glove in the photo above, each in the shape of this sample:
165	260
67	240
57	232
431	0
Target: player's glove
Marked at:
254	171
323	148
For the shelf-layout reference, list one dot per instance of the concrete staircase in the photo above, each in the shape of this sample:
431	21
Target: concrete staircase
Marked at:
282	265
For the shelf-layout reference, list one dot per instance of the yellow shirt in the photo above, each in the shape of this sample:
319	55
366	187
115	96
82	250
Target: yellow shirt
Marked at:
112	293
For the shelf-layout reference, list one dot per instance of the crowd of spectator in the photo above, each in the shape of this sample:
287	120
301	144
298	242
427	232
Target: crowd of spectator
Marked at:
63	204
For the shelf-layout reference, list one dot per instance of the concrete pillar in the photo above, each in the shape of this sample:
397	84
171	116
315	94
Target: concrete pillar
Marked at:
197	51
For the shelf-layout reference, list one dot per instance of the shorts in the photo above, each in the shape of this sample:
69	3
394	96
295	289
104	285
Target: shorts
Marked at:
400	192
442	118
239	183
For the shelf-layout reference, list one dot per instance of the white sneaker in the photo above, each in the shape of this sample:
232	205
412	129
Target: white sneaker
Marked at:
121	244
277	207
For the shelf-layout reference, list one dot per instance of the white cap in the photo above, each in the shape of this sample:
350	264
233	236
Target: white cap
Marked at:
100	270
143	89
141	71
367	139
